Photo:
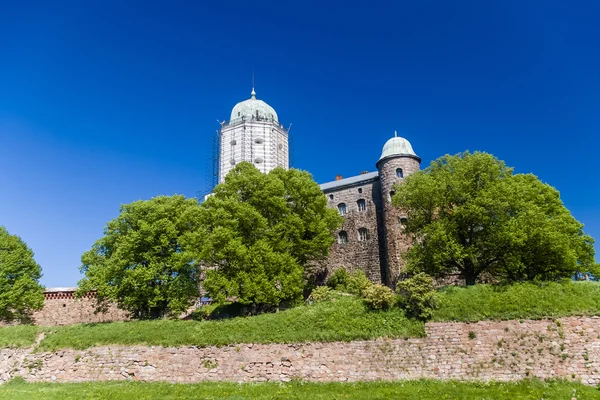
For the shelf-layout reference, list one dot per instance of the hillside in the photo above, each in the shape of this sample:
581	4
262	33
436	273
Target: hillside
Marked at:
343	319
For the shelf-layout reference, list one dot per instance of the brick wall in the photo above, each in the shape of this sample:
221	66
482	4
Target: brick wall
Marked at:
568	348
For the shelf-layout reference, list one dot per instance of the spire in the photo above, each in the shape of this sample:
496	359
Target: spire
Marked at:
253	94
395	132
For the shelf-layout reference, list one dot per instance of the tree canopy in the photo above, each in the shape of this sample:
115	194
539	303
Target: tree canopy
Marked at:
20	291
140	263
260	232
470	214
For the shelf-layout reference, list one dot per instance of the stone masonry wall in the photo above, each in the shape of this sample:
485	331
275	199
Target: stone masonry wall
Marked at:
568	348
396	242
363	255
62	308
69	311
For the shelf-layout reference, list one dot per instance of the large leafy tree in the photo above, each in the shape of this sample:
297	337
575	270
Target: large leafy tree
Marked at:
140	263
20	291
259	234
469	213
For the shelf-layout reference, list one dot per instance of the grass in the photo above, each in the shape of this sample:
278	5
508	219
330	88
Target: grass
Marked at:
344	319
18	336
422	390
518	301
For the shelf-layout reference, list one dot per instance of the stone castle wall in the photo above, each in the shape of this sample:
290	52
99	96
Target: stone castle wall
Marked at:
396	242
356	254
76	311
62	308
380	256
568	348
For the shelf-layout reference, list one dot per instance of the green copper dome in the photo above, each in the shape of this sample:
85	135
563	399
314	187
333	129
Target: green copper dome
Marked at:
253	109
397	146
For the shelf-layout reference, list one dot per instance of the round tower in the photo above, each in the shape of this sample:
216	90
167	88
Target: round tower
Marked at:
397	161
253	134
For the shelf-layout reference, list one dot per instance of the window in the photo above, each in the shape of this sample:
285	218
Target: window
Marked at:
392	193
331	197
258	160
342	237
359	190
399	173
258	140
363	234
362	205
402	221
342	208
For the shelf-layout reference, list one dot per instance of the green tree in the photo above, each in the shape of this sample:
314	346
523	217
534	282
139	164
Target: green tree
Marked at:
260	232
468	213
140	263
20	291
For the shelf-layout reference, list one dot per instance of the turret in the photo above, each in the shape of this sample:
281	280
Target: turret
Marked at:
397	161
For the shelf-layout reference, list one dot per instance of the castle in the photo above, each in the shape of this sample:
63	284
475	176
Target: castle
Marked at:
371	237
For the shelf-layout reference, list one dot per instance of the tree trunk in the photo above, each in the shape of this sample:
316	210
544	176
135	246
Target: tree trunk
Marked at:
469	272
470	279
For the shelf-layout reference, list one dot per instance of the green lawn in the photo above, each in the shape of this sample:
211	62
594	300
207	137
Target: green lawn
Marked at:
18	336
519	301
344	319
421	390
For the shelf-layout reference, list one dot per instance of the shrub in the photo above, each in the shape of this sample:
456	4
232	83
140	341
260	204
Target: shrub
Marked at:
417	296
357	283
339	280
321	293
379	297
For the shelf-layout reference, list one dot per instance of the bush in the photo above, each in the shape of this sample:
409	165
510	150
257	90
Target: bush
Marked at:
358	283
339	280
418	296
379	297
321	293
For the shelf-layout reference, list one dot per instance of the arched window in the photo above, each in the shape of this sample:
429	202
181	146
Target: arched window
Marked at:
363	234
359	190
362	205
331	197
392	193
342	208
402	221
342	237
399	173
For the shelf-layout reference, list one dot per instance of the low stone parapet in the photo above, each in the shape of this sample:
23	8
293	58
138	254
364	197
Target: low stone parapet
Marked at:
568	348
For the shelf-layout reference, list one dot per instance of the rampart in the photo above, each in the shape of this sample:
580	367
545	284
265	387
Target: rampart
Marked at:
62	308
568	348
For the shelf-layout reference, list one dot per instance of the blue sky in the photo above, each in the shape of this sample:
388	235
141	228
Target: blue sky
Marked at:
104	103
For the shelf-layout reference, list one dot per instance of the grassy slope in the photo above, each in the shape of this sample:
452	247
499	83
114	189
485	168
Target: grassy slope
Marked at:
422	390
345	319
18	336
520	301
